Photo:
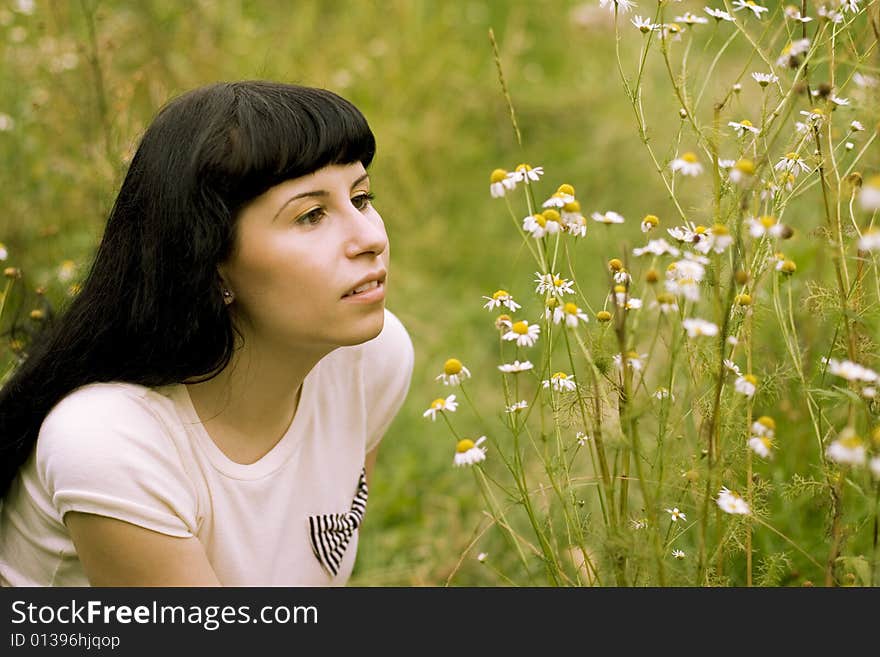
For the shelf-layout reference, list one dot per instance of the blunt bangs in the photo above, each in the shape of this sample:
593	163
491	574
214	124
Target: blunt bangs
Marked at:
279	132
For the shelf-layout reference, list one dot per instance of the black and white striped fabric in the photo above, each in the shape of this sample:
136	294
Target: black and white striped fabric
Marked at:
330	533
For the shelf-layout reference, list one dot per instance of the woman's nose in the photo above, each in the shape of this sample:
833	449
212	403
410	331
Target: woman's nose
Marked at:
366	233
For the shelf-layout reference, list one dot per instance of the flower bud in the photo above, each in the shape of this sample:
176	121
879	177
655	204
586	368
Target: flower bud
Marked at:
741	276
615	264
652	276
603	316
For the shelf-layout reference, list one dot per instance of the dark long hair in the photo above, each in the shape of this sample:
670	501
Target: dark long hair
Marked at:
150	310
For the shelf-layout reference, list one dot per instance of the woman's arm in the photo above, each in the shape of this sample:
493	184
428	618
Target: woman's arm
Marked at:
117	553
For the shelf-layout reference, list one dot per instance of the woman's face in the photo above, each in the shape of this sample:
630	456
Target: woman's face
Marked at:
300	248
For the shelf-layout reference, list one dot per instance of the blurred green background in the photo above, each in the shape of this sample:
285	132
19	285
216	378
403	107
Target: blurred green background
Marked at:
81	80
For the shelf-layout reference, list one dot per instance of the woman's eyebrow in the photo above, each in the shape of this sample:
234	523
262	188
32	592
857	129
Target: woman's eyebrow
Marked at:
317	192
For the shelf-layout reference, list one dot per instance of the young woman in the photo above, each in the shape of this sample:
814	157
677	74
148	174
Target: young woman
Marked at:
207	410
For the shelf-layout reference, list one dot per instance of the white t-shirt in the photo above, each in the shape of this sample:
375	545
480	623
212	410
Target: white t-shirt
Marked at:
142	455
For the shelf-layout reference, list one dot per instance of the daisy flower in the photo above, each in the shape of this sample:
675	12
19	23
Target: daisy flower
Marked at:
830	15
560	382
482	556
691	19
765	225
525	173
581	438
790	53
535	225
501	298
717	239
684	287
553	283
500	183
623	5
687	164
696	327
741	171
518	406
663	393
638	523
553	222
687	233
666	302
733	367
762	446
620	297
573	315
837	100
516	366
558	200
644	24
746	385
622	277
863	80
678	554
869	197
749	4
731	502
794	13
870	240
574	223
524	333
792	163
856	126
453	372
742	128
765	78
814	116
657	247
609	217
468	452
874	465
718	14
692	266
850	5
633	359
764	426
850	371
649	223
675	514
848	449
439	405
553	312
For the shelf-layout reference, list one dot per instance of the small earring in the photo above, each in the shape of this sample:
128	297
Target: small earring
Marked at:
228	296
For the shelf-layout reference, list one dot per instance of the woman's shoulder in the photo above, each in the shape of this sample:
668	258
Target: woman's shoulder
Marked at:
100	401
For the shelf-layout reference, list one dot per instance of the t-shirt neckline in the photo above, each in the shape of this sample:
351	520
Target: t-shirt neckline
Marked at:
271	460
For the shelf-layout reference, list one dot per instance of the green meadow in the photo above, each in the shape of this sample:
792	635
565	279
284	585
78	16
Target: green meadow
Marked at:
80	81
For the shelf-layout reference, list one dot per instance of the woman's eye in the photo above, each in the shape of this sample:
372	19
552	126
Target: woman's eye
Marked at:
362	201
312	217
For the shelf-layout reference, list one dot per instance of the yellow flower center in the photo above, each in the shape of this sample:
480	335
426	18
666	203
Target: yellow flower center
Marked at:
540	220
560	375
500	294
789	266
672	267
792	157
665	298
615	264
619	289
744	299
751	378
552	302
632	355
873	181
497	175
745	166
651	220
603	316
558	282
767	220
689	157
766	442
746	123
700	230
452	366
438	404
520	327
464	445
523	167
565	188
720	229
570	308
851	442
768	422
572	207
551	215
